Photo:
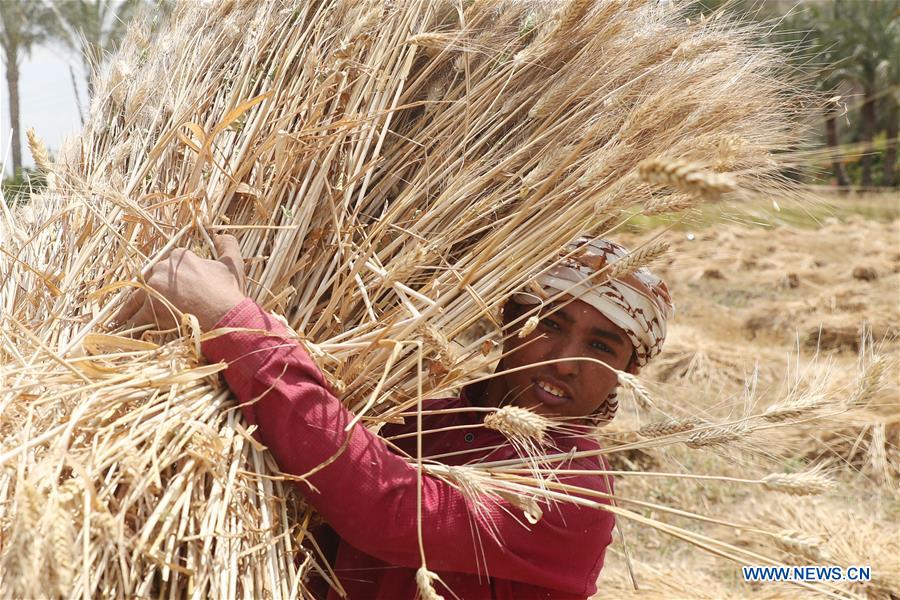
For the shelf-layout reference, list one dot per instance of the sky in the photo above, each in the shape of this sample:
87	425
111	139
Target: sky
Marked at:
46	101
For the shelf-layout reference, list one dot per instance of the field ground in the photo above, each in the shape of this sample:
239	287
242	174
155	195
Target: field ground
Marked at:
770	300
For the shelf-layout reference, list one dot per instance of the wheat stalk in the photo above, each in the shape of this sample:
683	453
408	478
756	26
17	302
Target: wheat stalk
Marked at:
800	544
572	14
798	484
668	427
39	152
639	259
717	436
795	407
530	325
425	580
527	504
688	177
869	382
673	203
436	41
517	422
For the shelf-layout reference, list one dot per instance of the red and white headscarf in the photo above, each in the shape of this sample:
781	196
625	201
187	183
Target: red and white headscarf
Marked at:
638	303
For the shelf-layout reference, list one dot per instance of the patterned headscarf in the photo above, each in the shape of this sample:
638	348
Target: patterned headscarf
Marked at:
638	302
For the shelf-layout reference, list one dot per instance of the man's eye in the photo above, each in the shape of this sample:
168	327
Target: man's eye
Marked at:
602	347
547	322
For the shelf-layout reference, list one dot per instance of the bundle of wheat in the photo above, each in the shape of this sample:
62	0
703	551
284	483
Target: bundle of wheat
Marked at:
394	170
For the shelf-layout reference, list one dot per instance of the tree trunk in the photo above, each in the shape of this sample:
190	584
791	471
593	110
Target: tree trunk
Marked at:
831	138
78	104
868	133
12	86
890	154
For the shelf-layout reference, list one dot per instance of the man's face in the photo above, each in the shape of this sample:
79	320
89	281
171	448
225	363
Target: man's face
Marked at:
568	388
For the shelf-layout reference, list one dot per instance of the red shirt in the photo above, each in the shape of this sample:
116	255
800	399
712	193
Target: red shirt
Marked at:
368	493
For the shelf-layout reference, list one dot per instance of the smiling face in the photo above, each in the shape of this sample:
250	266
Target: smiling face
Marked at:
567	388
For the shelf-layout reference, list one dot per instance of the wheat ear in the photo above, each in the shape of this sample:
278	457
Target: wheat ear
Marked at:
515	421
639	259
39	152
529	326
868	383
687	177
717	436
425	580
810	483
800	544
668	427
673	203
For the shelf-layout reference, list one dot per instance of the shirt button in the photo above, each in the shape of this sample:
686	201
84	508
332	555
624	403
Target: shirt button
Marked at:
470	437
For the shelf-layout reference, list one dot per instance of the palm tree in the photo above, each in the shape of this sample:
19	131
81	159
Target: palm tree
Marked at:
892	129
891	111
814	32
23	24
867	35
92	29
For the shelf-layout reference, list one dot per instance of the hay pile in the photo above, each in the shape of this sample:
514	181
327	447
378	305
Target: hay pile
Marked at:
749	370
393	171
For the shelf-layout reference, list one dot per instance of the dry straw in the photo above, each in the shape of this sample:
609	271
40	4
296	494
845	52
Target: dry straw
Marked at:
301	127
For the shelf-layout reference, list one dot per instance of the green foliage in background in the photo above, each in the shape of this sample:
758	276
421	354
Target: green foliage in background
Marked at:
17	188
851	49
23	25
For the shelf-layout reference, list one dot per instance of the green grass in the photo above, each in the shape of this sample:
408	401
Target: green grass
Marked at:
812	214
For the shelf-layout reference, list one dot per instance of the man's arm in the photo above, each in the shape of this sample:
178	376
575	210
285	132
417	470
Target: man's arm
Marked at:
368	494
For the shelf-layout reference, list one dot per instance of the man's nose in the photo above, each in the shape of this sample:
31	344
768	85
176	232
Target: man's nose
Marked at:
567	364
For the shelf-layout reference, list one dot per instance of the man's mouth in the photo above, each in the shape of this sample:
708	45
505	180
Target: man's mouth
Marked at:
550	393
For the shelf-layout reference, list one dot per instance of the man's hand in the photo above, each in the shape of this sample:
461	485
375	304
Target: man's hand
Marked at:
207	289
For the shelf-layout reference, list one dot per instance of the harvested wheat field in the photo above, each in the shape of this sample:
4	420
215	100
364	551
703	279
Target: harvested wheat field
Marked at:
394	173
776	304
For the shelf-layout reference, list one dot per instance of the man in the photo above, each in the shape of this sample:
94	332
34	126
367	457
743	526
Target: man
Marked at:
368	494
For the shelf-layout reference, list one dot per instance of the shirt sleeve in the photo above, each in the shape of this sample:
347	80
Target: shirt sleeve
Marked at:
368	494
